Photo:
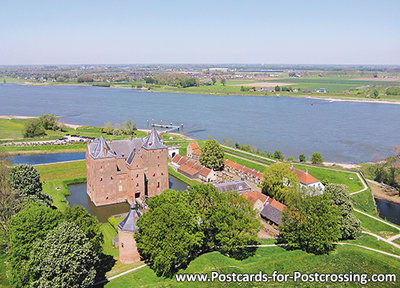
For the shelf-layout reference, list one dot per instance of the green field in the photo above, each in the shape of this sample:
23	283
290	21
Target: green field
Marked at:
334	176
342	260
56	177
365	202
259	167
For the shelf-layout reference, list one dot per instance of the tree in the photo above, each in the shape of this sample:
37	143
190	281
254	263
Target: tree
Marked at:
279	155
25	180
312	224
64	259
171	218
30	224
277	88
302	158
213	80
108	128
350	226
33	128
49	122
128	128
223	81
376	94
194	222
316	158
281	184
212	155
10	202
84	78
88	224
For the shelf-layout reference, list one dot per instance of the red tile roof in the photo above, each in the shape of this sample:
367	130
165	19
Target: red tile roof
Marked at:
194	145
205	171
253	196
196	152
276	204
303	176
176	158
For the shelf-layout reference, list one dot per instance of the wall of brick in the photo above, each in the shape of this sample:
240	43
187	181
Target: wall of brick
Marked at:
127	247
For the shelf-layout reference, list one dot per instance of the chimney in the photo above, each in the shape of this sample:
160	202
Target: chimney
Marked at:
130	137
306	171
111	144
105	150
291	166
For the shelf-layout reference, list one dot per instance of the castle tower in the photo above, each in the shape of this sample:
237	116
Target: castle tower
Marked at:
127	245
155	155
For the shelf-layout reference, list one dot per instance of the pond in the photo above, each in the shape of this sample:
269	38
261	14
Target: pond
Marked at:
79	197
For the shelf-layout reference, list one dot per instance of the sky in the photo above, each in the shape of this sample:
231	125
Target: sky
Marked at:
173	32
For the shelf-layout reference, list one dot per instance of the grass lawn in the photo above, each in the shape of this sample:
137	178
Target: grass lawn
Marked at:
56	177
364	201
252	155
11	128
397	241
45	149
372	242
343	260
376	227
334	176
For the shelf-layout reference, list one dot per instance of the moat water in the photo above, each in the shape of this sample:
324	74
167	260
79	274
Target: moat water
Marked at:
78	194
346	132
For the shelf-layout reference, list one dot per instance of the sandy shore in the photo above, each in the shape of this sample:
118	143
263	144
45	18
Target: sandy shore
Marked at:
9	117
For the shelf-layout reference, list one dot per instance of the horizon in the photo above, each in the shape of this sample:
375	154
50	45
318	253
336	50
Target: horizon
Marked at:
177	33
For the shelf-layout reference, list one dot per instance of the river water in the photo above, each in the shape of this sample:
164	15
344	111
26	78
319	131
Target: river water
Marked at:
346	132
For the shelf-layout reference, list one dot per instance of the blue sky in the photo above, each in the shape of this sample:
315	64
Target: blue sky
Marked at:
269	32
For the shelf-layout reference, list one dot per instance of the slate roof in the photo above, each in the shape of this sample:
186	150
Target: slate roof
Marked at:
154	141
272	214
129	223
96	149
238	186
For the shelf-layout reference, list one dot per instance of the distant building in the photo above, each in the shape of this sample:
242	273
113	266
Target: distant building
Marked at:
240	186
322	90
307	91
122	170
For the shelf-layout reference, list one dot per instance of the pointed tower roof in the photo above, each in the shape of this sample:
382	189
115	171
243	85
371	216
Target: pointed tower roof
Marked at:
129	223
101	149
154	141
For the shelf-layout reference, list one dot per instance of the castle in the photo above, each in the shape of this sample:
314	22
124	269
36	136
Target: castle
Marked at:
123	170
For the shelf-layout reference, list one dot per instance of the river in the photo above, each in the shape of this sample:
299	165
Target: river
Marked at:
347	132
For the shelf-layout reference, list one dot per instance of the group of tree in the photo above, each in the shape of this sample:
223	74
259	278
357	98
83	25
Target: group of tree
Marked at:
212	155
46	248
173	79
188	223
84	78
394	90
385	171
36	127
316	158
314	220
317	222
127	128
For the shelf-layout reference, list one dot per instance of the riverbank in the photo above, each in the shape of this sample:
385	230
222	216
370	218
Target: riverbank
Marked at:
383	193
320	96
9	117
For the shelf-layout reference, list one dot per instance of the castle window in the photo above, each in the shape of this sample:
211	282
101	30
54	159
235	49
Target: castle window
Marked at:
122	245
118	168
158	157
137	184
112	178
158	165
162	173
158	184
154	174
137	175
101	179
